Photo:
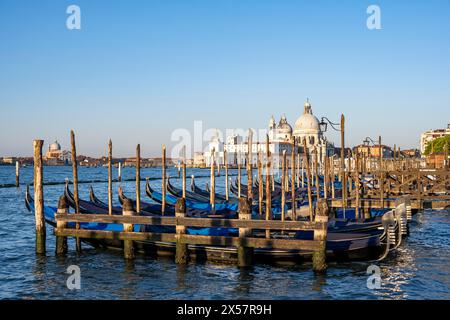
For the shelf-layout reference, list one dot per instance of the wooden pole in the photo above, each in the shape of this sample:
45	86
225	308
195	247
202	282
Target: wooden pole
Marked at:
357	191
297	173
343	175
293	196
17	174
320	235
249	166
163	181
303	174
181	250
239	174
184	173
61	242
308	180
110	177
260	185
225	159
75	184
380	166
283	186
325	178
39	198
245	254
268	187
128	246
212	190
316	173
333	179
119	172
138	178
446	155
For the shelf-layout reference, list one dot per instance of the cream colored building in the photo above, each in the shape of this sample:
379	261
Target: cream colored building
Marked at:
430	135
281	138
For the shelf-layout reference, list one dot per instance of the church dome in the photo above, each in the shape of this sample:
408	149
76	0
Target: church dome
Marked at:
55	146
284	126
307	122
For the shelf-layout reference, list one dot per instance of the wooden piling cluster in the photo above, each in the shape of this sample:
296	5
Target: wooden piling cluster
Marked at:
245	243
392	182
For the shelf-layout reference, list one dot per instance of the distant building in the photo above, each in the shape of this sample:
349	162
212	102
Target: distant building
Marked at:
55	156
431	135
199	160
411	153
437	160
281	138
9	160
373	151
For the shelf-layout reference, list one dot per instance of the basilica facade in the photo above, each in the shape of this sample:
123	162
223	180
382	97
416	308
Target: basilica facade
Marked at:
281	138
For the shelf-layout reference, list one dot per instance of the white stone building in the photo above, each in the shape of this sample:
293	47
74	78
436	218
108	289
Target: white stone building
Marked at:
281	137
431	135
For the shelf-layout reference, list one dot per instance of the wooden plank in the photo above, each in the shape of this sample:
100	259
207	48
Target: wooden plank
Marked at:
261	243
114	235
102	218
286	244
192	222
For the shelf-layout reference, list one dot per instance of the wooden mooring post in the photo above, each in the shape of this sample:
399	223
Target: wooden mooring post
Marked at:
138	178
39	197
75	185
268	187
212	189
110	177
119	172
181	248
163	182
239	174
61	241
245	254
184	173
293	196
260	184
308	179
283	186
343	173
249	165
320	235
128	246
227	191
17	174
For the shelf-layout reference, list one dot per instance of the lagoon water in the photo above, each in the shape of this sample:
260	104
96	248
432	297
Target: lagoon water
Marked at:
419	269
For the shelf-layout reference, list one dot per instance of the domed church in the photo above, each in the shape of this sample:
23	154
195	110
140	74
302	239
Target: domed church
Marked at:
56	156
306	127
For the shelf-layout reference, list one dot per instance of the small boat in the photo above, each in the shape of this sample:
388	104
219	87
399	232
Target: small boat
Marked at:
372	243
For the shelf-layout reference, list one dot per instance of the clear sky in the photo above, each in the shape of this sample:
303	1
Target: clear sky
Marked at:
138	70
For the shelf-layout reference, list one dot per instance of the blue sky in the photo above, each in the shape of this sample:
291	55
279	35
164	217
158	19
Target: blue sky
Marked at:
137	70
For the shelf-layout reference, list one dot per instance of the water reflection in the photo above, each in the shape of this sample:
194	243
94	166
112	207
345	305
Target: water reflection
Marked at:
244	281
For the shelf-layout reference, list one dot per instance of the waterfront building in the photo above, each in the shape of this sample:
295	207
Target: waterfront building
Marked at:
374	151
281	138
430	135
56	156
9	160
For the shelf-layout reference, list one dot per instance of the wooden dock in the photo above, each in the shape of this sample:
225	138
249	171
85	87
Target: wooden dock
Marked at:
390	185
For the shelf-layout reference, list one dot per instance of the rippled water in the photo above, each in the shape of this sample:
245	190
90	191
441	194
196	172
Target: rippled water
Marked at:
419	269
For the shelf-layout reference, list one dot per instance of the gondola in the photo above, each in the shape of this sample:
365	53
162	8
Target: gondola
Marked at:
357	245
171	200
194	196
205	193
